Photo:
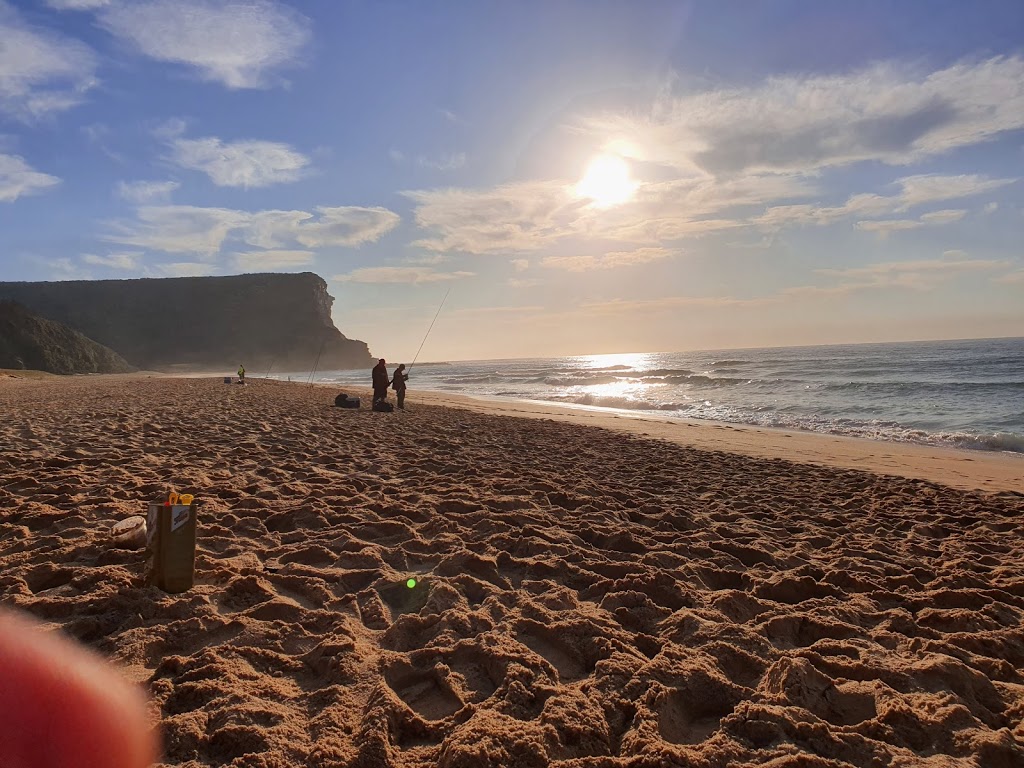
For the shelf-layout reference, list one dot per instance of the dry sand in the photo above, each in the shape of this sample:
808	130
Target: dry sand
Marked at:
587	597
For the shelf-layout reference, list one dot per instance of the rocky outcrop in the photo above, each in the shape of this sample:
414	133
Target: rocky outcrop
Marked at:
203	323
30	342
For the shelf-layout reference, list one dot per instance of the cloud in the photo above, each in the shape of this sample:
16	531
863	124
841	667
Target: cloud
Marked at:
886	226
530	215
77	5
140	192
885	113
238	44
127	260
41	72
622	306
399	275
347	226
917	190
919	275
606	260
240	163
180	229
17	178
520	265
448	162
264	260
203	231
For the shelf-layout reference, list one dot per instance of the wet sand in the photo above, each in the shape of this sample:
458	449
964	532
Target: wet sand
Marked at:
585	597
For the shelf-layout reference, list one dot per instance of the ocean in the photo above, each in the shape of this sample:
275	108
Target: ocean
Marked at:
963	394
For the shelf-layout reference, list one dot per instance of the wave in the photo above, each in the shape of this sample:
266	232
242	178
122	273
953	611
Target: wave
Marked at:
730	363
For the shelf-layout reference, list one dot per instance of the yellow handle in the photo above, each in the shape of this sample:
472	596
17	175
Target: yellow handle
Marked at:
172	498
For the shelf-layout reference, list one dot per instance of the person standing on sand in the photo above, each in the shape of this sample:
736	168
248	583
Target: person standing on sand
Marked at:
380	381
241	373
399	385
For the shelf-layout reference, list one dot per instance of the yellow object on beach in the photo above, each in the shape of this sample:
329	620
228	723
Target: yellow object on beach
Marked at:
172	498
185	498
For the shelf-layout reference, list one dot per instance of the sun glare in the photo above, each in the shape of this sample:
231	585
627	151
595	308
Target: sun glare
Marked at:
607	182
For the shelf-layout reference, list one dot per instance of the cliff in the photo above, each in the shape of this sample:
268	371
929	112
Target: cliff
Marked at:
28	341
202	323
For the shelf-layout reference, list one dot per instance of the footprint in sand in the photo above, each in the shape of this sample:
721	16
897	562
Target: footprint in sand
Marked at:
424	691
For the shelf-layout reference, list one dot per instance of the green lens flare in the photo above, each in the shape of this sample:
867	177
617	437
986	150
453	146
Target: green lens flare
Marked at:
410	583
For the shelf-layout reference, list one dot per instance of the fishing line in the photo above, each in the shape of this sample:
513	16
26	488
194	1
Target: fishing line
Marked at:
429	329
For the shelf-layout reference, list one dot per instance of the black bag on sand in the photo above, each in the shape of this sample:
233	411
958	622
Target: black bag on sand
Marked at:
383	406
344	401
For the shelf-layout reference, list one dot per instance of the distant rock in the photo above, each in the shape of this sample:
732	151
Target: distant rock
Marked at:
281	321
30	342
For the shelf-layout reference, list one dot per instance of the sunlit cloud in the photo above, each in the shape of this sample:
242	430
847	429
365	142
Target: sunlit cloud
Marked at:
141	192
399	275
41	72
523	282
127	260
240	163
258	261
886	113
606	260
238	44
18	179
520	265
1011	278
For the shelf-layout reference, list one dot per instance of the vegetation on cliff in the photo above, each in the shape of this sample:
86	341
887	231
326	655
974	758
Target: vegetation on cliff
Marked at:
28	341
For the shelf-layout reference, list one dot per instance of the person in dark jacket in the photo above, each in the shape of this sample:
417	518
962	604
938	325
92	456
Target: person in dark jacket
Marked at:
399	385
381	380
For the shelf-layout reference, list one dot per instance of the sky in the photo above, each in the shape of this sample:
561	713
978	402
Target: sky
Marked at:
565	177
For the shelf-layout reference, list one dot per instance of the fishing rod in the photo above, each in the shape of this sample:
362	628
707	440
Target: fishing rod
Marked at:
429	329
317	362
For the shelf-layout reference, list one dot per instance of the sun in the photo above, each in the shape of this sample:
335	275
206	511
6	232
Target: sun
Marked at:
607	181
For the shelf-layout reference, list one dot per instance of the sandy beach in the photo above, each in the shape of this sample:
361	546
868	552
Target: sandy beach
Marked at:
591	590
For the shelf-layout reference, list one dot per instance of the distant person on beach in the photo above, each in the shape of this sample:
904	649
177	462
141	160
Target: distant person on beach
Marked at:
399	385
381	380
62	705
241	373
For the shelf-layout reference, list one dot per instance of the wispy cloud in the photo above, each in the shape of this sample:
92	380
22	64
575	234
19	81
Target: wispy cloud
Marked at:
41	72
920	274
523	282
1011	278
930	188
77	5
886	226
446	162
240	163
886	113
606	260
203	231
399	275
126	260
17	178
179	229
140	192
275	259
238	44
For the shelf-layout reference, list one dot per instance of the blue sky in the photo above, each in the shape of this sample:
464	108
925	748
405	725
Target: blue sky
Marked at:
583	177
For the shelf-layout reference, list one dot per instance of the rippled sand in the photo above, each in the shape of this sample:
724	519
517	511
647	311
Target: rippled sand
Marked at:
586	597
